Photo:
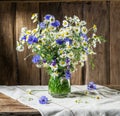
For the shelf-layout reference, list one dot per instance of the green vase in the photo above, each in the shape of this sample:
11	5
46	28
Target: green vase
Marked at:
59	87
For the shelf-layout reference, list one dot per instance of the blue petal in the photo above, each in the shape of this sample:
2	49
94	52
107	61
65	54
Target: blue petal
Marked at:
23	38
42	25
68	40
56	23
35	40
60	41
84	36
91	86
67	74
47	17
30	39
36	59
43	100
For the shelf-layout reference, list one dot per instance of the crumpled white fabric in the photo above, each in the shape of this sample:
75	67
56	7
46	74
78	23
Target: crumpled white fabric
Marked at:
107	105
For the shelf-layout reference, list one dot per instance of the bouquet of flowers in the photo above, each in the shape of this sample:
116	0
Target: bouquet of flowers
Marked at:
59	47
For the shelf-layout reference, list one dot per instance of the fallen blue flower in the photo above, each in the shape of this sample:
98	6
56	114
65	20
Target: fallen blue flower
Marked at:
91	86
43	100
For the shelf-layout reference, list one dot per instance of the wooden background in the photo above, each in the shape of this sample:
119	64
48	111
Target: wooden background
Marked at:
14	15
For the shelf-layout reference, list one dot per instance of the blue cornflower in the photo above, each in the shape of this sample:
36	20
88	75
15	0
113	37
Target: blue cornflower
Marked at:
68	40
53	63
23	38
84	36
42	25
44	61
35	39
47	17
67	60
32	39
60	41
56	23
43	100
86	50
36	59
67	74
91	86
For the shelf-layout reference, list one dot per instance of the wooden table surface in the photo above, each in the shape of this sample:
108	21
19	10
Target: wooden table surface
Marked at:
11	107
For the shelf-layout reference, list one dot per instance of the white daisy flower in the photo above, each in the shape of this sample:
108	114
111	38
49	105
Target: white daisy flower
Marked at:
37	35
83	23
63	55
67	33
78	24
52	34
83	57
62	63
68	47
23	30
94	43
82	63
23	42
66	17
19	47
96	38
54	74
84	30
95	28
76	44
35	15
76	30
52	19
76	18
51	28
28	91
38	65
34	31
70	55
70	19
53	44
92	52
61	51
55	67
28	32
65	23
84	44
61	34
38	47
35	20
29	46
45	65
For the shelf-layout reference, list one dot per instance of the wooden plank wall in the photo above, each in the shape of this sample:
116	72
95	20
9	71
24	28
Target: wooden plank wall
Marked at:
98	13
13	16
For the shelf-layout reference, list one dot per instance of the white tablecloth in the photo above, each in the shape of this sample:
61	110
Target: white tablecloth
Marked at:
102	102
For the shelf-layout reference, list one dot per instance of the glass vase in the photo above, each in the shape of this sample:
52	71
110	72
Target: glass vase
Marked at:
59	87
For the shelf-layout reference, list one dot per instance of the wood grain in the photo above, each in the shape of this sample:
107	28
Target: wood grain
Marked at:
28	73
7	51
9	107
71	9
115	43
98	13
44	1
